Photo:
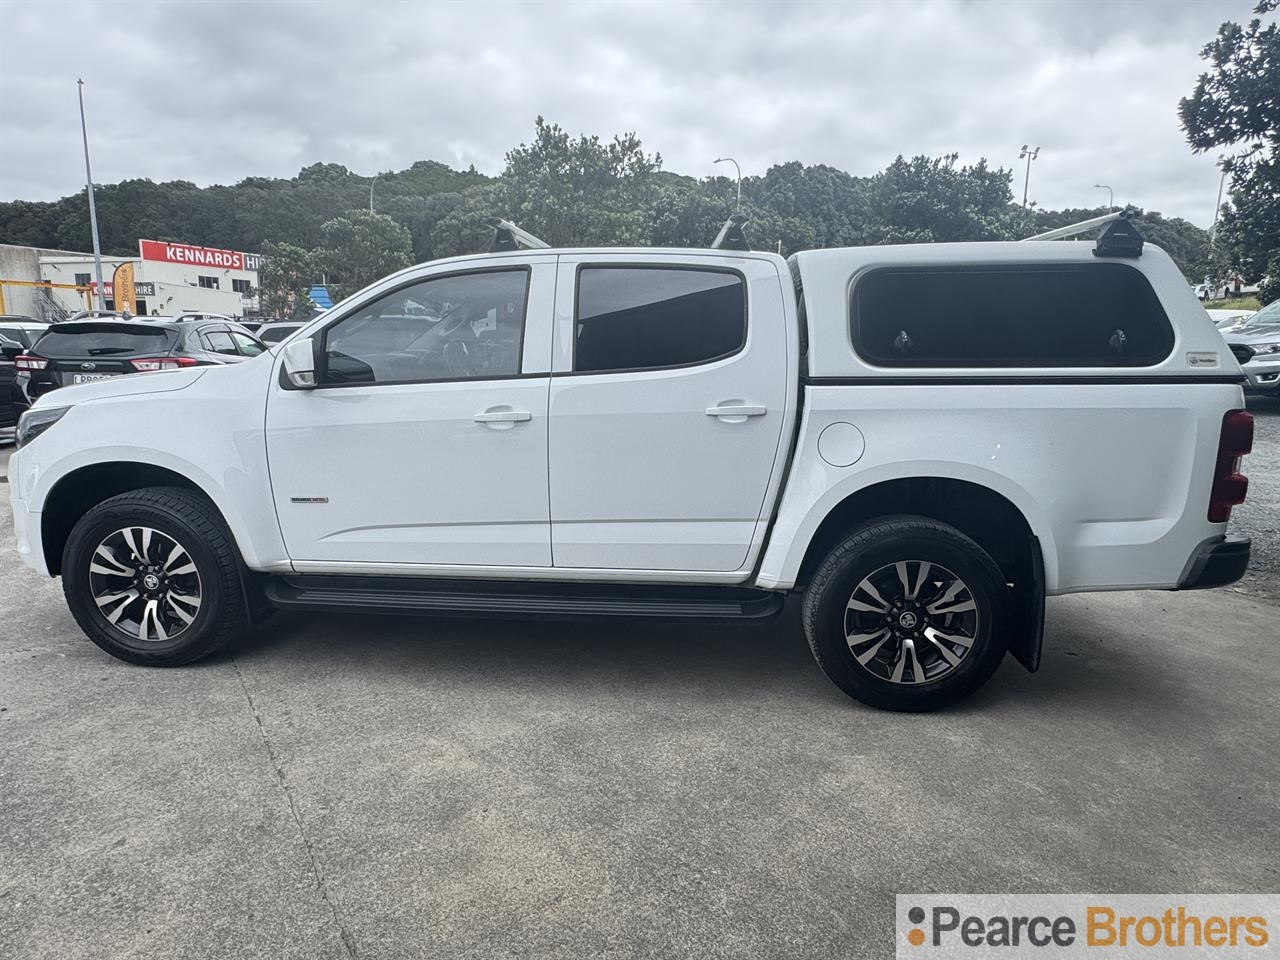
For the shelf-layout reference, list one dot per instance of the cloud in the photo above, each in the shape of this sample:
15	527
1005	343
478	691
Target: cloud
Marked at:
215	92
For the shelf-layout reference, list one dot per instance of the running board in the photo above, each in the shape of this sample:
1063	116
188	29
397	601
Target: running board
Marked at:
519	598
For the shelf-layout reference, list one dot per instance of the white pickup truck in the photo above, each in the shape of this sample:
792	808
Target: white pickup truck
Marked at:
924	441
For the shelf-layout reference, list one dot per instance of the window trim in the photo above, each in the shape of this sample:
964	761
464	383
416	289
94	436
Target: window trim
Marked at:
321	336
1019	266
650	265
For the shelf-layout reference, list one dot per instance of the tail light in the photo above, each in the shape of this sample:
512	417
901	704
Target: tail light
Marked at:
24	361
145	364
1229	484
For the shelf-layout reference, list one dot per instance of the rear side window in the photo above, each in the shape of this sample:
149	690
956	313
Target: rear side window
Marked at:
219	341
1068	315
642	318
101	340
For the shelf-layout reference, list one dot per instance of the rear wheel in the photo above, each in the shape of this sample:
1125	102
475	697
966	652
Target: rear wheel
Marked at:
907	613
152	577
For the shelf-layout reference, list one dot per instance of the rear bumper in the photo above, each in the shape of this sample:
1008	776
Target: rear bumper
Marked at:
1216	563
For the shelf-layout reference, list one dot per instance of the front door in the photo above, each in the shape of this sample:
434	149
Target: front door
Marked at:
667	409
425	440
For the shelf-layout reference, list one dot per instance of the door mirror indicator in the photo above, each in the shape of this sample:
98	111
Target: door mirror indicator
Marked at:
300	363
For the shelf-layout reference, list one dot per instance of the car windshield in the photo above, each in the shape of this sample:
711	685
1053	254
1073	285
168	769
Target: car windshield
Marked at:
104	339
1268	318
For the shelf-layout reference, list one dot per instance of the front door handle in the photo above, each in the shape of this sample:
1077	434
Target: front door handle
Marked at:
503	416
737	410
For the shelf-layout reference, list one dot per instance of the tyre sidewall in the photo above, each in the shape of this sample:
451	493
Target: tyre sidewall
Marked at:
956	553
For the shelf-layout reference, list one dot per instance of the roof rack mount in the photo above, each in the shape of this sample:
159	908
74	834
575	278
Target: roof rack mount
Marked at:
1120	238
507	237
732	236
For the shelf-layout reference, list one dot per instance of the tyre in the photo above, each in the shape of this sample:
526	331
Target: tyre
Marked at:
152	576
907	613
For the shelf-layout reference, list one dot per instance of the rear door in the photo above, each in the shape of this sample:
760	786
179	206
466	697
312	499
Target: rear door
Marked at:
667	409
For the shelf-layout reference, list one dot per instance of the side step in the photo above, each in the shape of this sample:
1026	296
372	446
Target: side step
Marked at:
520	598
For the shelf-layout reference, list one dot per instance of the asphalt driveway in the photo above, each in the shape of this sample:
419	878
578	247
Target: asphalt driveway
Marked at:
393	788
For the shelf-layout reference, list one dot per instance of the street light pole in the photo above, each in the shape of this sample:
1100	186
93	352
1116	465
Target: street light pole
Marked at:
738	206
1030	154
1217	207
371	183
1111	195
93	212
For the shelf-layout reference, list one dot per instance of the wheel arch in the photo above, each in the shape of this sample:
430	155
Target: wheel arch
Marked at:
77	492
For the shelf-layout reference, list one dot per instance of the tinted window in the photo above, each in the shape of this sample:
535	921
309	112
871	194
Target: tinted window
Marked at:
274	333
219	341
248	346
1071	315
633	318
467	326
99	340
16	335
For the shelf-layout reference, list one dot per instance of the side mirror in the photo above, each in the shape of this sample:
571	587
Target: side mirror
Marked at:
300	363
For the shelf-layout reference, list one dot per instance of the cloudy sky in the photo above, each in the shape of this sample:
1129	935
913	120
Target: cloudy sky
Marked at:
215	91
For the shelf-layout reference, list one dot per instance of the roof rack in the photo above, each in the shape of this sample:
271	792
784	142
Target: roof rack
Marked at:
1120	238
732	236
507	236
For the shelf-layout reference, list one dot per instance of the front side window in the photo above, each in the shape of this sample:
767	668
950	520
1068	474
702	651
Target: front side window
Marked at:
461	327
638	318
1019	315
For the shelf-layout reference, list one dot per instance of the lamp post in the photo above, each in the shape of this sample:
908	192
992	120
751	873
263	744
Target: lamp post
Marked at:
1111	195
1217	207
738	205
93	212
371	183
1030	153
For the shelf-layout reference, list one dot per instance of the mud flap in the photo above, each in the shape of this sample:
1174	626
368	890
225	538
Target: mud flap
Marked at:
1028	613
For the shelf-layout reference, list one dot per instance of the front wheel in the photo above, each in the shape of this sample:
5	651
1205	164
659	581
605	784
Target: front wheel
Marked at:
907	613
153	577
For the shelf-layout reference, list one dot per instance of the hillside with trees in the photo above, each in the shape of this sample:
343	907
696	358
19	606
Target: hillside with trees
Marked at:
568	190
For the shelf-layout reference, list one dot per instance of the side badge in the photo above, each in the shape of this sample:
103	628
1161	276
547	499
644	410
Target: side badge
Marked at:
1202	359
308	499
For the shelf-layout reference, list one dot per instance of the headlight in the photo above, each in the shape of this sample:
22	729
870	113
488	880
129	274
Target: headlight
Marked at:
35	422
1260	348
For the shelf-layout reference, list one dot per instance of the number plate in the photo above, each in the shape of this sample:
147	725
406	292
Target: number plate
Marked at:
90	377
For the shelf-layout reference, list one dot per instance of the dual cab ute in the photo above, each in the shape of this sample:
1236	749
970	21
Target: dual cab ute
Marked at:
924	441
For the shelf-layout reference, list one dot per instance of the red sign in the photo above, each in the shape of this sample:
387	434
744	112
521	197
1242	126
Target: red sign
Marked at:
195	256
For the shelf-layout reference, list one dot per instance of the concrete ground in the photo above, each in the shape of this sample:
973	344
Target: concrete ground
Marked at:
345	787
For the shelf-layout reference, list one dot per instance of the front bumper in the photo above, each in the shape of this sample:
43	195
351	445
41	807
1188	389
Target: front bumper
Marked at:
1216	563
1262	374
26	530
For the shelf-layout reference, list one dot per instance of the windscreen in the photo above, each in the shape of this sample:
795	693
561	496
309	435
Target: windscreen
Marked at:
104	340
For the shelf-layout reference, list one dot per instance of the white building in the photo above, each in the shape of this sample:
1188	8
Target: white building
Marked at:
169	278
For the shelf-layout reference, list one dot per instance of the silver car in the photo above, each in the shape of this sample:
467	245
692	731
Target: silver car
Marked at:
1255	341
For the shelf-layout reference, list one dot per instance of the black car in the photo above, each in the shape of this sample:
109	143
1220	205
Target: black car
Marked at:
81	351
12	401
273	333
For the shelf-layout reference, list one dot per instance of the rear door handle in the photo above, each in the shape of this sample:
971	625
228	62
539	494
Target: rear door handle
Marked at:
737	410
503	416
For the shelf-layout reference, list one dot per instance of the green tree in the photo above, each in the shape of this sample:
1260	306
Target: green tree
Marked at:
361	247
286	274
1236	104
581	191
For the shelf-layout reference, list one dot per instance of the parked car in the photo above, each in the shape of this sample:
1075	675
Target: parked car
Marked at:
12	401
21	330
922	440
84	351
273	333
1225	319
1255	342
